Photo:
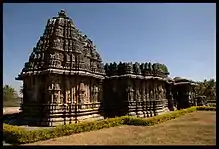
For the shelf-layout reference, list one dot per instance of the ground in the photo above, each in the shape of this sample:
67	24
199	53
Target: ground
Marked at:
10	110
198	128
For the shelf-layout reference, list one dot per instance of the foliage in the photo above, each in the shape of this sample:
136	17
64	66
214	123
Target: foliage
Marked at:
207	88
14	134
9	93
212	104
206	108
10	96
21	89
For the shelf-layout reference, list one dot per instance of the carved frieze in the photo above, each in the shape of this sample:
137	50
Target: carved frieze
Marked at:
93	65
137	68
129	68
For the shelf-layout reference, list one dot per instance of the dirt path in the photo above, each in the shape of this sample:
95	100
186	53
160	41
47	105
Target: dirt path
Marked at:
11	110
195	128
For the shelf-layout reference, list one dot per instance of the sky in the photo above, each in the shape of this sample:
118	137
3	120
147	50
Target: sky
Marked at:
181	36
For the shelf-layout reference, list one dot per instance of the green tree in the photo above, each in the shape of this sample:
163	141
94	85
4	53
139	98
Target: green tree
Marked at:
206	88
10	96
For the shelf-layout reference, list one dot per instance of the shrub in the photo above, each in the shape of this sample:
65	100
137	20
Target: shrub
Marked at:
212	104
206	108
16	135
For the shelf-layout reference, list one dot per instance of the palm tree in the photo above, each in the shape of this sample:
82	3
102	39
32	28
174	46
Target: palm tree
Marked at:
207	88
9	92
10	97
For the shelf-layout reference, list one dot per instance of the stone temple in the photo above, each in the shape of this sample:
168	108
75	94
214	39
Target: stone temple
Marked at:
65	81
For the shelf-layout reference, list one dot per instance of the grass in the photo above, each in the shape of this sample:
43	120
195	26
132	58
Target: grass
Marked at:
192	129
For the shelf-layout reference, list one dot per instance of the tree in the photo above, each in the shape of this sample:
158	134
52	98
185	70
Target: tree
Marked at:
21	89
10	96
206	88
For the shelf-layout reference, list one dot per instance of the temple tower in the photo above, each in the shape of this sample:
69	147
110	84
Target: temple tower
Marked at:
62	81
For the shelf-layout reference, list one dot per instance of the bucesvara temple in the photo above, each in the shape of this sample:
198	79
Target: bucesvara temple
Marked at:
65	81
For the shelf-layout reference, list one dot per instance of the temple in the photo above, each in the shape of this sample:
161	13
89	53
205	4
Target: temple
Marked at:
65	81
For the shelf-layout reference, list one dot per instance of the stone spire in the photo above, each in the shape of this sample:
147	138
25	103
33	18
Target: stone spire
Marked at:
63	47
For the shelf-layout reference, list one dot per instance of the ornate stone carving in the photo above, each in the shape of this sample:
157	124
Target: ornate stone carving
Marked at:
149	66
137	68
129	68
142	67
107	68
113	68
94	93
130	92
81	93
58	43
59	31
154	67
151	95
137	95
56	97
144	95
160	92
93	65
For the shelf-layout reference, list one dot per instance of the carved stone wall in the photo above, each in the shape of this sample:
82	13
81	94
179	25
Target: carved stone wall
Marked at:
135	89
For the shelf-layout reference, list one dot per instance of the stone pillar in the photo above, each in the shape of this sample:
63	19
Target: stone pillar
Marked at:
151	97
100	88
53	99
81	95
155	99
147	98
137	94
130	92
143	98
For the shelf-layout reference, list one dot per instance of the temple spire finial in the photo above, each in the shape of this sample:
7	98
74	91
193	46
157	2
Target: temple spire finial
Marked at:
62	13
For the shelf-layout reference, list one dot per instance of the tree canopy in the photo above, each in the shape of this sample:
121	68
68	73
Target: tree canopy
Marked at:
10	96
206	88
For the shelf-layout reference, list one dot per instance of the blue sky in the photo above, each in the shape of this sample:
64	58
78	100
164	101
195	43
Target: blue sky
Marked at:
182	36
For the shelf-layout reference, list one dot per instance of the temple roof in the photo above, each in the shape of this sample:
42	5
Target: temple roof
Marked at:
64	49
180	80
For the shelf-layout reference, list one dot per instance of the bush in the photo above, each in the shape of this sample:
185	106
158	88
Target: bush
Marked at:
158	119
212	104
16	135
206	108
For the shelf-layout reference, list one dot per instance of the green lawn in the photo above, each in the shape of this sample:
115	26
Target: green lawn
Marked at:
197	128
